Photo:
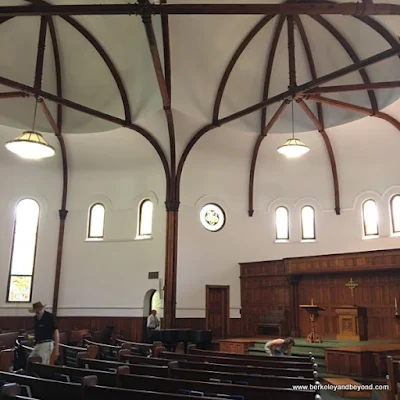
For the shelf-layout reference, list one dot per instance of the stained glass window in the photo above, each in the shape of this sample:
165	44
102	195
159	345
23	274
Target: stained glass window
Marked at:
307	223
212	217
23	251
282	223
145	218
395	212
370	218
96	221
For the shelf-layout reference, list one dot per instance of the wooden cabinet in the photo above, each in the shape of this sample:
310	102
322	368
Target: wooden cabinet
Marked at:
352	323
235	346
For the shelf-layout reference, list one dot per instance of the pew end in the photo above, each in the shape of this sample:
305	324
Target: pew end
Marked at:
315	375
10	389
90	380
122	370
79	355
93	351
191	347
122	353
6	359
159	351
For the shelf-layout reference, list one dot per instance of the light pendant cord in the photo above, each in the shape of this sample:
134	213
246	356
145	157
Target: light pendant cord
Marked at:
292	119
34	116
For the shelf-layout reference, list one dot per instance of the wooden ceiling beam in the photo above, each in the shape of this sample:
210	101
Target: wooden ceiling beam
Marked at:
349	8
312	84
353	107
355	87
12	95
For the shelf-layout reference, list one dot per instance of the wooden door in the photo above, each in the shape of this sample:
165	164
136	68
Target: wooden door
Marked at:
217	310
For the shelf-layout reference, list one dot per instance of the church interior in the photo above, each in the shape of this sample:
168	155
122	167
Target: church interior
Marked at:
231	165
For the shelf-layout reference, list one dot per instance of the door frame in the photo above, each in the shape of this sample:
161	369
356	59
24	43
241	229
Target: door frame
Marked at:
227	306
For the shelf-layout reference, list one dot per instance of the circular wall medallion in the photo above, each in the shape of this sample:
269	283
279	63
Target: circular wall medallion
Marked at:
212	217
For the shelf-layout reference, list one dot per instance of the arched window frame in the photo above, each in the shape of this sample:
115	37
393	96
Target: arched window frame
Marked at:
140	233
11	274
395	225
368	234
303	238
89	226
287	237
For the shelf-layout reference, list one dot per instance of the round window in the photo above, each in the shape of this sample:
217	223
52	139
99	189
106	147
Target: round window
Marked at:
212	217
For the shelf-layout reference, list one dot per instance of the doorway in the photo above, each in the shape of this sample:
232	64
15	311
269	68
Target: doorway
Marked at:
217	310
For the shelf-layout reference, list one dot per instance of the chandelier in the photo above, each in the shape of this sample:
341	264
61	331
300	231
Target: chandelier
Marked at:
31	145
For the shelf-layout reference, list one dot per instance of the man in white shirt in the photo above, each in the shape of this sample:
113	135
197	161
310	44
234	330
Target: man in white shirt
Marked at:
152	323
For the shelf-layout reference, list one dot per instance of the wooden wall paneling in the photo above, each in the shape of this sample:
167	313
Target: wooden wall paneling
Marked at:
130	327
264	288
323	279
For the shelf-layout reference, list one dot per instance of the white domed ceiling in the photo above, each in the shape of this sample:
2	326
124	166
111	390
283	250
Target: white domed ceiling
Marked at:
105	64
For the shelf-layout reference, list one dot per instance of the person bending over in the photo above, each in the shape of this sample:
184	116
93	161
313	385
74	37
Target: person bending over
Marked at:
279	347
47	336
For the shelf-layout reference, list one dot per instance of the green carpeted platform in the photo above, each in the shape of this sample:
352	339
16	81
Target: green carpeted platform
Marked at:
317	349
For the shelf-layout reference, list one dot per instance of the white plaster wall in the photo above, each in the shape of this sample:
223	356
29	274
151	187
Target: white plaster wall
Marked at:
41	181
367	160
103	278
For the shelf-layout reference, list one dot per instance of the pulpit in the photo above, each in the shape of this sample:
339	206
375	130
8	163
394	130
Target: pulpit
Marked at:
313	311
352	323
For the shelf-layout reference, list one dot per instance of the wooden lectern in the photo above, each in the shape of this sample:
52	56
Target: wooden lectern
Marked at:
352	323
313	311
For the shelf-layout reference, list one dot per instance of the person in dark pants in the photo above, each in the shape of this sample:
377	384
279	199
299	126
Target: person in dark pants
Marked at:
47	336
152	323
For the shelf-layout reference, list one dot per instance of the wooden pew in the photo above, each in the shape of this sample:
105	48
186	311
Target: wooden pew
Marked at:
249	369
136	369
214	366
193	350
54	372
125	356
144	348
106	351
168	385
45	389
264	362
173	370
226	377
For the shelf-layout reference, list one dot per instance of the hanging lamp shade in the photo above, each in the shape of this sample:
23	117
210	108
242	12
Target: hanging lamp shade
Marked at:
30	145
293	148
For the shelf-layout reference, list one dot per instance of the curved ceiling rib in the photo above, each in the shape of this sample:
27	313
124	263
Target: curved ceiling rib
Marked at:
352	54
263	128
256	150
103	54
268	72
319	123
250	36
57	63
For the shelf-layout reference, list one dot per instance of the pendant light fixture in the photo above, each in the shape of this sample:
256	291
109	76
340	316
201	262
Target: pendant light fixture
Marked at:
293	148
31	145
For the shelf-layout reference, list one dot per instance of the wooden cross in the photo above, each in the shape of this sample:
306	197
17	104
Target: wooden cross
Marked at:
351	285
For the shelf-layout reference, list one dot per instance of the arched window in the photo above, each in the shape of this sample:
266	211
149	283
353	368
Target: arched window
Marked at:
145	218
395	213
96	221
282	223
370	218
307	223
23	251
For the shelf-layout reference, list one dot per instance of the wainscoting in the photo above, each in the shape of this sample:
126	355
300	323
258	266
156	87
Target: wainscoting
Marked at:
131	328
